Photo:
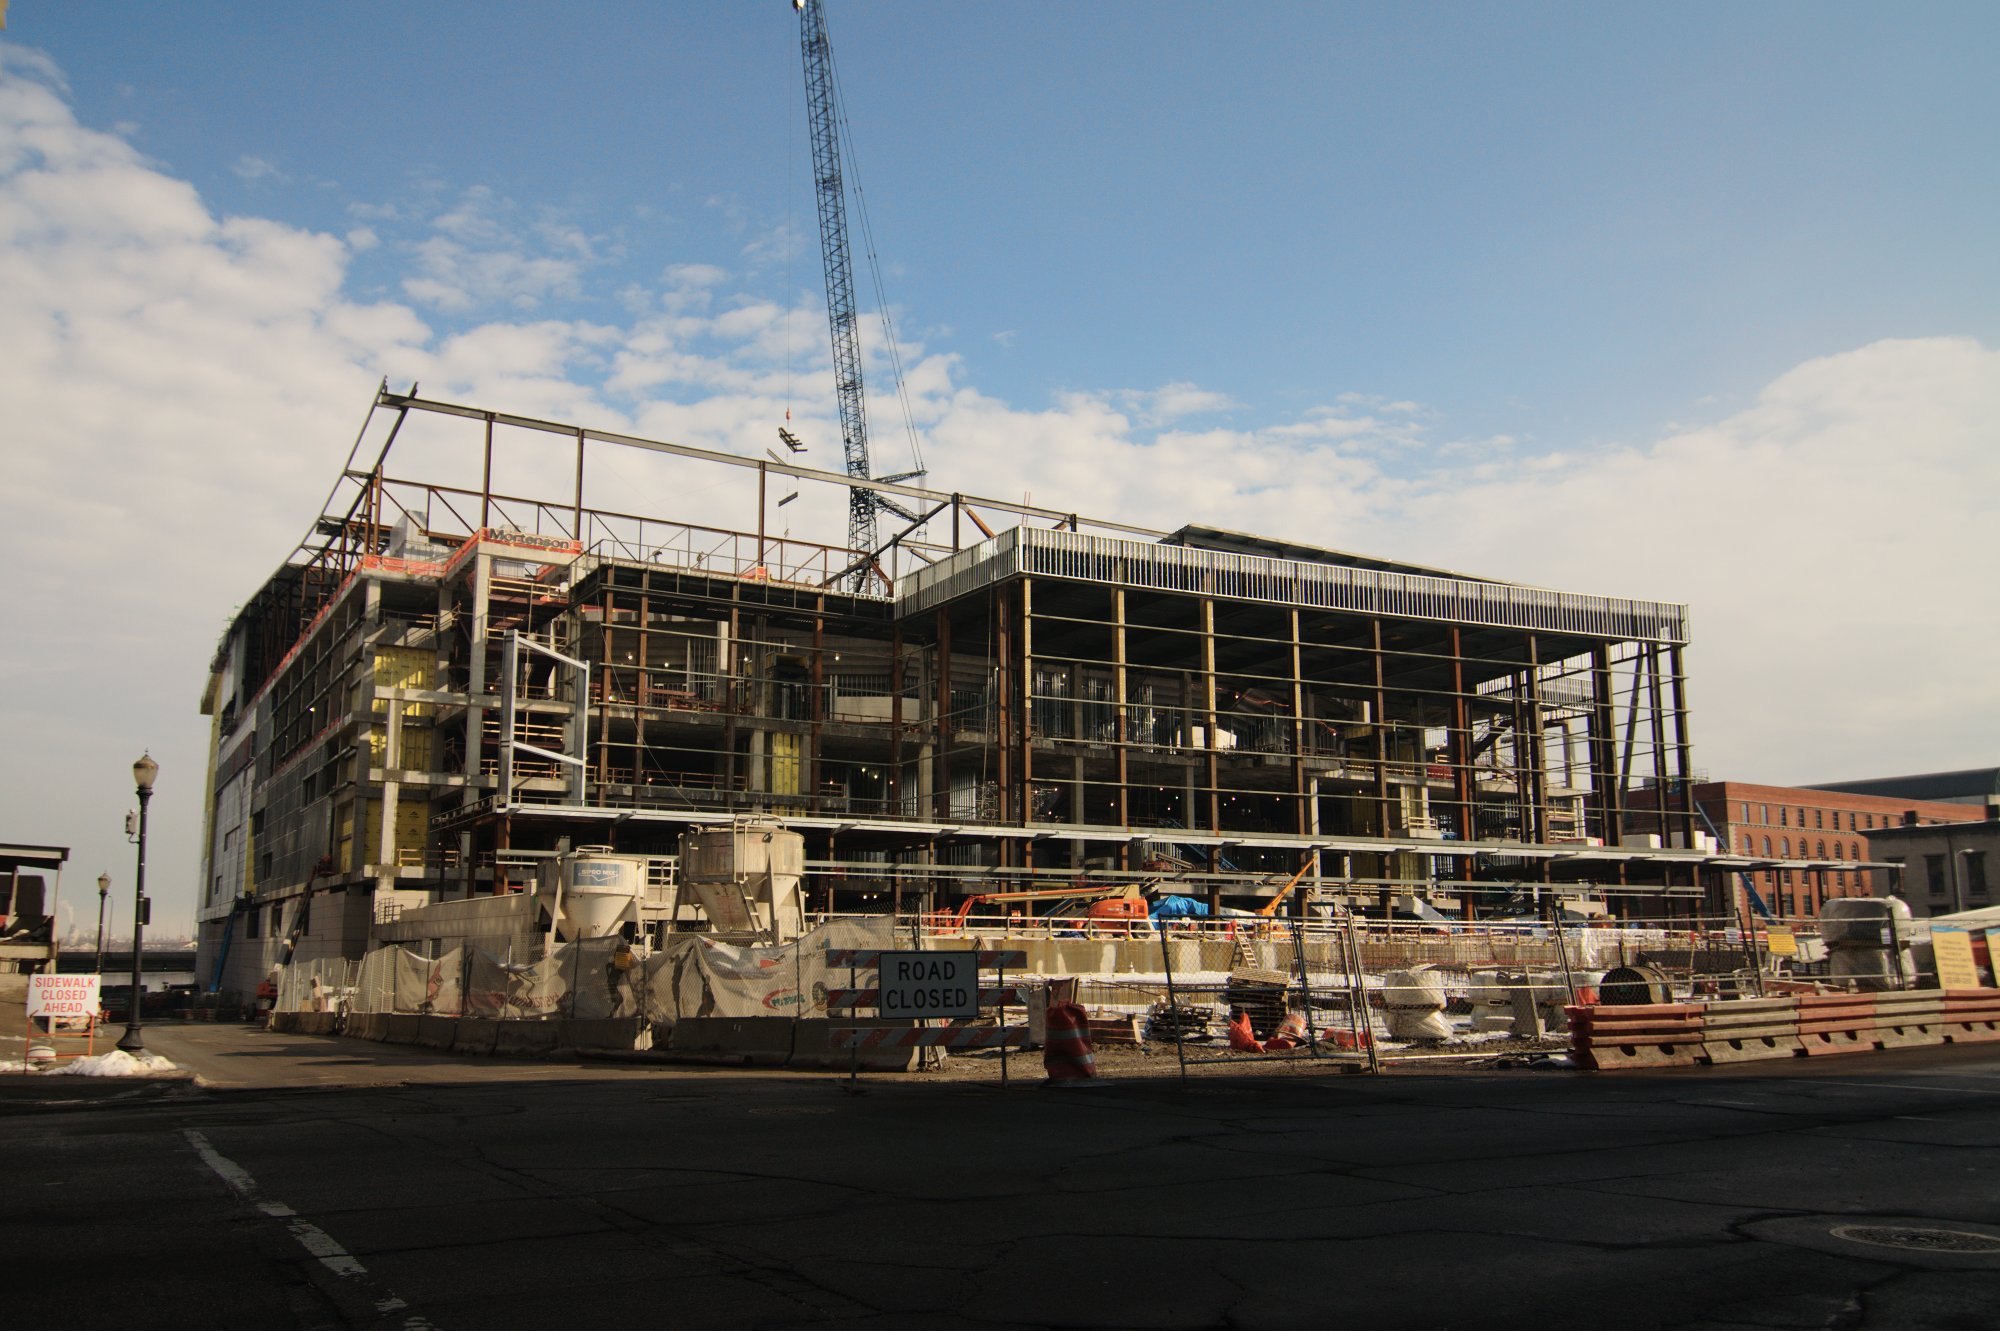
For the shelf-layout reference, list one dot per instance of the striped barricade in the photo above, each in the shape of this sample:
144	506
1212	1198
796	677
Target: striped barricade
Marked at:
1744	1029
1640	1035
1836	1023
1909	1019
1971	1015
955	1034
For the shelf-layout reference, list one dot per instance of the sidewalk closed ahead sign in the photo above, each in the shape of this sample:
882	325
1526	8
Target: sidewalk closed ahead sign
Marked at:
62	996
929	984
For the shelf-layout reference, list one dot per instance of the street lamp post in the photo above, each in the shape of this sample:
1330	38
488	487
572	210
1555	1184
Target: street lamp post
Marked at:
143	773
103	891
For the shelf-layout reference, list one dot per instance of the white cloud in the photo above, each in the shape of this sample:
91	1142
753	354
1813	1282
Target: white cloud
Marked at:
1159	406
694	275
256	168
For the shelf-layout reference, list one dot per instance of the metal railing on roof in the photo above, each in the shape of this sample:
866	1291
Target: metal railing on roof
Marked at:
1171	568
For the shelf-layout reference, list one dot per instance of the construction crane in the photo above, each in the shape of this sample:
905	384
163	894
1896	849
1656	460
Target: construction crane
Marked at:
861	501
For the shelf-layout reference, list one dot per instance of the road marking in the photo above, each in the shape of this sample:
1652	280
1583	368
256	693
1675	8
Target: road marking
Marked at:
1909	1086
309	1236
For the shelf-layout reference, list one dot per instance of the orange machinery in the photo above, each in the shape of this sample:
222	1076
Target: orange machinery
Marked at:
1118	906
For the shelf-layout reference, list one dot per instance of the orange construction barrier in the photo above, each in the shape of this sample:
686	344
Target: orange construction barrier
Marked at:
1836	1023
1290	1034
1741	1030
1647	1035
1971	1015
1066	1054
1241	1038
1909	1018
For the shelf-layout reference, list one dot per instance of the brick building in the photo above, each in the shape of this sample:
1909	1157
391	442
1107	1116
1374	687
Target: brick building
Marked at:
1775	827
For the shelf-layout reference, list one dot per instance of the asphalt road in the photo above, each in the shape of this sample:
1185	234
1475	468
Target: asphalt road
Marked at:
458	1194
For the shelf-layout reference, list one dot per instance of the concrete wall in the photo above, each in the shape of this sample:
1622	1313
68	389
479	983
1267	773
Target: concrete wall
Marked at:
747	1041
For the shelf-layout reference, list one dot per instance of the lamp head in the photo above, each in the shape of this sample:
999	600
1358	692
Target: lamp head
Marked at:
145	771
103	883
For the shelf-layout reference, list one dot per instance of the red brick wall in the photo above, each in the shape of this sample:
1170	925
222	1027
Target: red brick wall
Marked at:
1809	824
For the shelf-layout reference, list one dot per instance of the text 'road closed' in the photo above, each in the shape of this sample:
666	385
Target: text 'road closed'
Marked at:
929	984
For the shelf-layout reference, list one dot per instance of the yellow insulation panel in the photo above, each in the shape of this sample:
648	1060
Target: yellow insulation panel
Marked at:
405	668
413	829
417	748
785	765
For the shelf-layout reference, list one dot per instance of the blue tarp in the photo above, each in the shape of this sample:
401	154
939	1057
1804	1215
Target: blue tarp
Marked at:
1179	908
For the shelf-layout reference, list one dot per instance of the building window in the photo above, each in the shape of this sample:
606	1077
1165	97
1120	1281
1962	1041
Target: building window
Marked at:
1821	851
1746	811
1850	822
1767	846
1763	813
1869	822
1934	874
250	923
1784	817
1975	872
1785	848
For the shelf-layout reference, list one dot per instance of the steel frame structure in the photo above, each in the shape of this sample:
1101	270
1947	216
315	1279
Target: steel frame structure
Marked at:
1037	694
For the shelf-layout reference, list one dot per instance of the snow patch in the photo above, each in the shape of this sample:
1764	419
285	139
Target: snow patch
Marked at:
116	1063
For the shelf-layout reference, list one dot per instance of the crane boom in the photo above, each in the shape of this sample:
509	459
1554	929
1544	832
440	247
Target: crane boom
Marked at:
840	318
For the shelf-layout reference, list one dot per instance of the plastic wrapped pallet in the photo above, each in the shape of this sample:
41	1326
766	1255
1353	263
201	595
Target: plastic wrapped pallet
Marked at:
1415	1001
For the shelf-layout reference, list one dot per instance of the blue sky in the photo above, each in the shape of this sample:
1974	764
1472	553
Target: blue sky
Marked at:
1695	302
1545	221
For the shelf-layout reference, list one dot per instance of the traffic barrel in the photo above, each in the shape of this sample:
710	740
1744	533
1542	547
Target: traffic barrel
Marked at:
1066	1053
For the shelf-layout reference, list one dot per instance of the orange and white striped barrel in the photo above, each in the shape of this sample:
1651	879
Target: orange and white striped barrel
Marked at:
1066	1055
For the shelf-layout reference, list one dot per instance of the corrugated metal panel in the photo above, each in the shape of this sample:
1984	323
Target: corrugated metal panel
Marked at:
1076	557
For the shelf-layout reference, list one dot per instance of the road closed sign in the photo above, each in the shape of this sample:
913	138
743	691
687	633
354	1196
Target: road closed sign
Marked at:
62	996
929	984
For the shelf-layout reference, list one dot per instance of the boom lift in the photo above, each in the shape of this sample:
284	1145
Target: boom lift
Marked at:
1119	904
1270	908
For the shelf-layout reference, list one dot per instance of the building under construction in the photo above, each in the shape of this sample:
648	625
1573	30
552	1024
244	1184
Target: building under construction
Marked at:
444	678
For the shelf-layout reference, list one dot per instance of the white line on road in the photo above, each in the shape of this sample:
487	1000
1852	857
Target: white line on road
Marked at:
309	1236
1910	1086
